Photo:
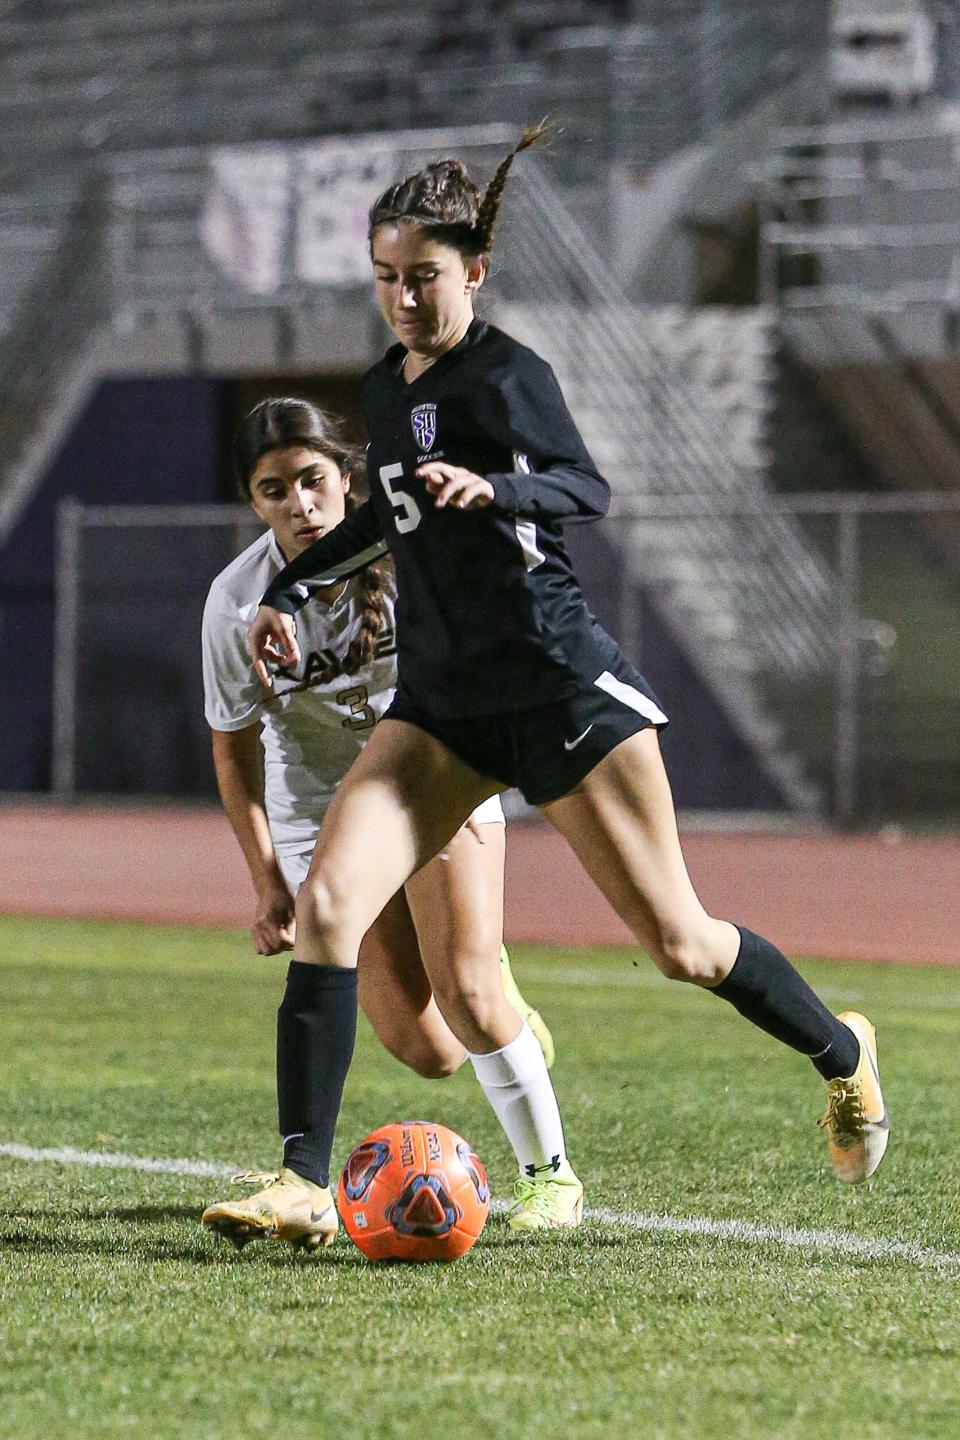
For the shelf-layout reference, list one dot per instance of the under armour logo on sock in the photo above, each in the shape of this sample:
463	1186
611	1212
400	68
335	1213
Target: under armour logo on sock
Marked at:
551	1167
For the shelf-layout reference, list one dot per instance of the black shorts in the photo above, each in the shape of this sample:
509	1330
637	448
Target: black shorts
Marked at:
546	751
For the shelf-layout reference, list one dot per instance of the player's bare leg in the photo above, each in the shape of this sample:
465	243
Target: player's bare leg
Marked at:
621	823
457	901
396	996
403	799
401	803
457	906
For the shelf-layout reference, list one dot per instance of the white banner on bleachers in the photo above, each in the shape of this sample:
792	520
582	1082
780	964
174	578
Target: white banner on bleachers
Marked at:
245	215
274	216
336	185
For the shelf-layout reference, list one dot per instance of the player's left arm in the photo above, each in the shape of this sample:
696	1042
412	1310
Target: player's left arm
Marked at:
555	477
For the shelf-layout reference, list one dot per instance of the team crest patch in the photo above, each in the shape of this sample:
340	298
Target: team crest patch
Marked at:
424	422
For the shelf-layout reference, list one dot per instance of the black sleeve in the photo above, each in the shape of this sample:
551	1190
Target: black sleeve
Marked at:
524	405
356	542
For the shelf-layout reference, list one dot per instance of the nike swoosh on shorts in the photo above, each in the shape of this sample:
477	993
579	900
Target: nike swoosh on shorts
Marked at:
572	744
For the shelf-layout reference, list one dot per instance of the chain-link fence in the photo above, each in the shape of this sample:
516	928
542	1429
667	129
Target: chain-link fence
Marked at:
128	691
874	718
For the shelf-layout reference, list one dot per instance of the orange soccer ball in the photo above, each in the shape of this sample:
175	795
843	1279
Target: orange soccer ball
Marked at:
413	1191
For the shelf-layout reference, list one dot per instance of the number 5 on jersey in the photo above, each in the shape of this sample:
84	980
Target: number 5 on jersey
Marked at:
408	511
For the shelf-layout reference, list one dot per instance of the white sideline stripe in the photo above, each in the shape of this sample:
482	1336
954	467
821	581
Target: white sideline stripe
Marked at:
108	1160
743	1232
789	1237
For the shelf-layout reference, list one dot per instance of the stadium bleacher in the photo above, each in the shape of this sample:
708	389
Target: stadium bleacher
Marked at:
136	97
113	75
139	99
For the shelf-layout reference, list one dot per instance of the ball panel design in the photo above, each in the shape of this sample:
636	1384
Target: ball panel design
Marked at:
413	1191
364	1164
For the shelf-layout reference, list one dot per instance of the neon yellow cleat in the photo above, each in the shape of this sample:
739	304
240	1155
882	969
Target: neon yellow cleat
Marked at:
288	1207
856	1119
555	1203
533	1017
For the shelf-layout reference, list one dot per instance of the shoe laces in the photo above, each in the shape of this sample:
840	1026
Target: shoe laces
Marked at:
844	1116
263	1178
535	1195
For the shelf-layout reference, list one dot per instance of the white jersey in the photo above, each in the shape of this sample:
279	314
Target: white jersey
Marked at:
315	722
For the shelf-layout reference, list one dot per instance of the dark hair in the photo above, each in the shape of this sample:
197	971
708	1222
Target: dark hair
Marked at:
447	203
274	424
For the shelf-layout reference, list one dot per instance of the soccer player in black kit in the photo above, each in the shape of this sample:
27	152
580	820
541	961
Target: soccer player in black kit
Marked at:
505	679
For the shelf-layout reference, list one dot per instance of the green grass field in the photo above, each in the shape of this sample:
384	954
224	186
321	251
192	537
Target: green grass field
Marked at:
120	1316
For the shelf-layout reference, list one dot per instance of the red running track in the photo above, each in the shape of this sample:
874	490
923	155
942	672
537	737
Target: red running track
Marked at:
848	897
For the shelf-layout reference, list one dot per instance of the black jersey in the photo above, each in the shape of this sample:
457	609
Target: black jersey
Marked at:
490	617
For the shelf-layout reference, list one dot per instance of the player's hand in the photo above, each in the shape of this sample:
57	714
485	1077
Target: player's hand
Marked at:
274	927
272	639
454	486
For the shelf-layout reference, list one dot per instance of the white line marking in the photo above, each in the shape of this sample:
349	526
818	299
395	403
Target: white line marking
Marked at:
110	1161
743	1232
788	1237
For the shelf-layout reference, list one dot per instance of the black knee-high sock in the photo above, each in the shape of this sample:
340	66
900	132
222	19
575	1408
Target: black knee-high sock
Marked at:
766	989
316	1030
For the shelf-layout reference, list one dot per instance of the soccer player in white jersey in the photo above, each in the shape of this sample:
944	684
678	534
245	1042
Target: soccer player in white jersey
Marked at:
443	931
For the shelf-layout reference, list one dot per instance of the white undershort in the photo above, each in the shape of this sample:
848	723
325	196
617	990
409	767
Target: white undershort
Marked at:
296	863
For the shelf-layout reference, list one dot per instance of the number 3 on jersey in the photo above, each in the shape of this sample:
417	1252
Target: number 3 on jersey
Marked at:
361	716
408	511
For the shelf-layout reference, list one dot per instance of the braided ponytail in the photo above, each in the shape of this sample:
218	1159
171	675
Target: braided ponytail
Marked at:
443	199
490	204
361	651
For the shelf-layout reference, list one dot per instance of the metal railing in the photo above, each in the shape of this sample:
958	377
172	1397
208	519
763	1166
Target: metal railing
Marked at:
54	323
674	428
122	583
196	73
863	214
878	722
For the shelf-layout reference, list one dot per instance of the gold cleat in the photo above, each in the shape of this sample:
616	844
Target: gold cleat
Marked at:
856	1119
287	1207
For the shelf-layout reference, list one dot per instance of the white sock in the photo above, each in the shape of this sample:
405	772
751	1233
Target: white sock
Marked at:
516	1082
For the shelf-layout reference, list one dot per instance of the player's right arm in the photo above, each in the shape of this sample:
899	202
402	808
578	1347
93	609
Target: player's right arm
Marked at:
355	543
236	760
234	704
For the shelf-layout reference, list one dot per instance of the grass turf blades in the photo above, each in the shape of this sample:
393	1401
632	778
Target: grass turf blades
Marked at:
120	1316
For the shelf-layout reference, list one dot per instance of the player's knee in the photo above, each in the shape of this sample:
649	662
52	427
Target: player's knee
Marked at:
471	1003
432	1061
318	909
683	955
436	1064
